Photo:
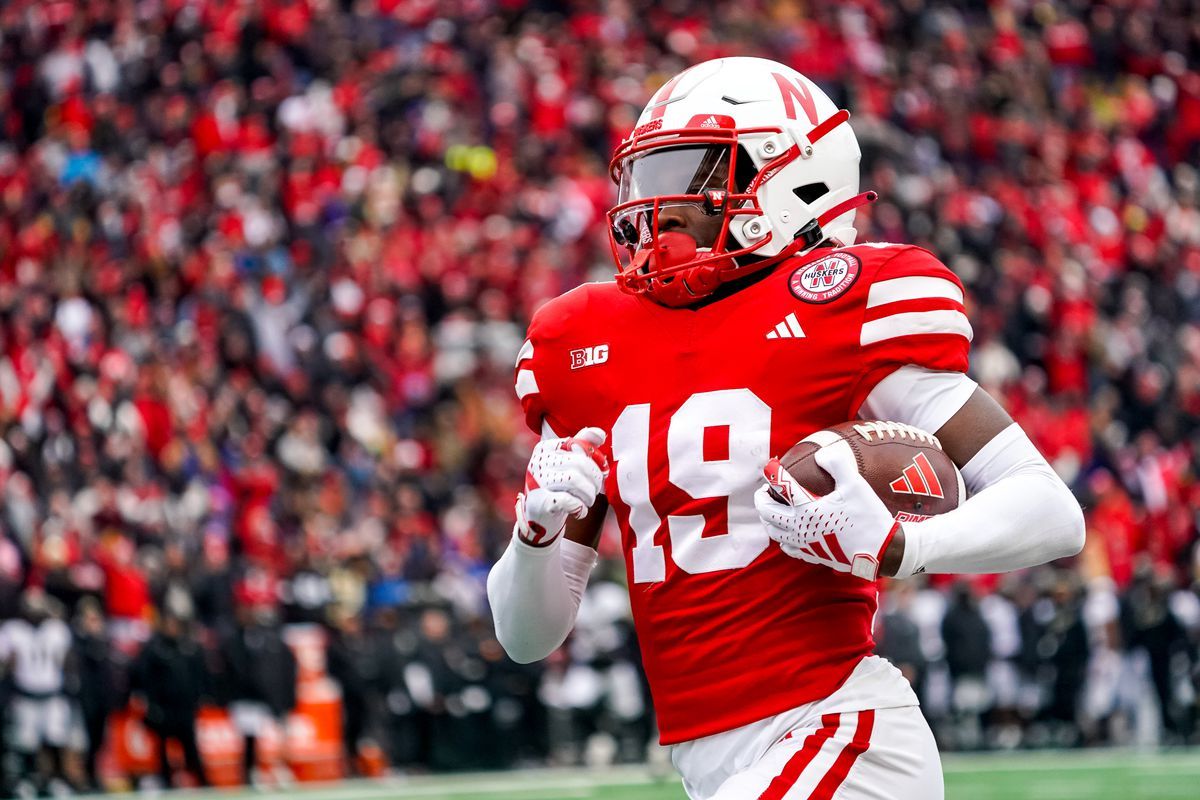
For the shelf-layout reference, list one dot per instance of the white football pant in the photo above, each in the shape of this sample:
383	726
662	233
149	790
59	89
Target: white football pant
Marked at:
866	741
888	754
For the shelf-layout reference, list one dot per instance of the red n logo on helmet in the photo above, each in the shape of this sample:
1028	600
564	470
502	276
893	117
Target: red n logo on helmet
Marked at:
793	93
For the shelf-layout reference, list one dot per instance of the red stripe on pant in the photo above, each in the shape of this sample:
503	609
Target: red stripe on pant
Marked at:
800	760
845	760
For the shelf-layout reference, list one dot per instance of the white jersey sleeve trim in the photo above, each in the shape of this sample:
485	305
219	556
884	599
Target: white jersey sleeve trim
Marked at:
913	287
525	352
526	383
914	323
917	396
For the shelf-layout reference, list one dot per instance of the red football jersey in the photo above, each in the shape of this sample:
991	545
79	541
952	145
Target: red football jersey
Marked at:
694	402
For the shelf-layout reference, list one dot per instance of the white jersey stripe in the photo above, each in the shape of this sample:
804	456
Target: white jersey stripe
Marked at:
525	352
526	383
915	323
912	287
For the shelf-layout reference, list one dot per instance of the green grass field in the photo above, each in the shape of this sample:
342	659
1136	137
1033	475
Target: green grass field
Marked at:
1092	775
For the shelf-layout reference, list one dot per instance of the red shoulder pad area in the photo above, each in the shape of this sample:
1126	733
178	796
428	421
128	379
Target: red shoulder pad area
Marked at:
915	314
542	360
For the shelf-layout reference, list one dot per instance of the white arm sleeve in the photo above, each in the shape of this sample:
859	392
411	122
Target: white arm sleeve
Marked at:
918	396
1019	513
535	592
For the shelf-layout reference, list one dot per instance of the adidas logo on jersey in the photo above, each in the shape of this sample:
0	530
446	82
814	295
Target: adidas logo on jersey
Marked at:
788	329
918	478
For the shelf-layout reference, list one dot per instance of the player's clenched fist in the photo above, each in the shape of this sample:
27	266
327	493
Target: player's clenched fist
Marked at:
563	478
847	530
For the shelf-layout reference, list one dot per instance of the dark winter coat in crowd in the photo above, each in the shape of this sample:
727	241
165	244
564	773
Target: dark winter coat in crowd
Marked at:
97	692
170	673
1064	646
1032	626
1148	624
967	637
353	660
212	592
459	707
259	666
95	674
899	641
405	726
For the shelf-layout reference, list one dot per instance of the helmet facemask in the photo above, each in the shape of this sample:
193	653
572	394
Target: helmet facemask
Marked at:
677	196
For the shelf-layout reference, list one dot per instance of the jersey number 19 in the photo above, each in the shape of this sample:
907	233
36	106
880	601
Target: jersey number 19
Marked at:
748	420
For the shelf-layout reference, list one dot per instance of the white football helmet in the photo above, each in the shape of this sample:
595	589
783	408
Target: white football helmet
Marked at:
748	143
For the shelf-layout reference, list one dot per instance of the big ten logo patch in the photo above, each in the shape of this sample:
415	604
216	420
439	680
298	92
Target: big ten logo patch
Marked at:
589	356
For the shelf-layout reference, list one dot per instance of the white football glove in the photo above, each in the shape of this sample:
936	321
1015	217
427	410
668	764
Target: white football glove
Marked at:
847	530
563	478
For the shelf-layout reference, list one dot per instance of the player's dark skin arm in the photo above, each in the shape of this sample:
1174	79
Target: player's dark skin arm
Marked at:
963	435
587	530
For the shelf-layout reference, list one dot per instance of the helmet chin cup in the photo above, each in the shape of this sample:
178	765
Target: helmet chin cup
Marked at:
670	249
675	248
682	285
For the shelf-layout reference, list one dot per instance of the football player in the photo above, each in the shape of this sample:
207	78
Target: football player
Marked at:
743	318
35	647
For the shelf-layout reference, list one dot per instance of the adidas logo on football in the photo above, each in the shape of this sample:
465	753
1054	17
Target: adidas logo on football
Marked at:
788	329
918	478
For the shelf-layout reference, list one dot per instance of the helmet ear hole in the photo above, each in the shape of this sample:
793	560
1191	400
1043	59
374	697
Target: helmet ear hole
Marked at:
810	192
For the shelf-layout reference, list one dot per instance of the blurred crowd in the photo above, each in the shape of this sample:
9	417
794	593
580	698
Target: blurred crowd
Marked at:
265	266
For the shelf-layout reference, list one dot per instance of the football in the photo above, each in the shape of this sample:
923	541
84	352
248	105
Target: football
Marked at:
906	466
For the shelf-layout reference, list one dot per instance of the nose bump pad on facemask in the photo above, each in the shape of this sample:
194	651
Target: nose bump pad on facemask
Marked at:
714	201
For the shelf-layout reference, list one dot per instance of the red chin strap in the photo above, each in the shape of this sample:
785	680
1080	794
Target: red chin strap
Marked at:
685	286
